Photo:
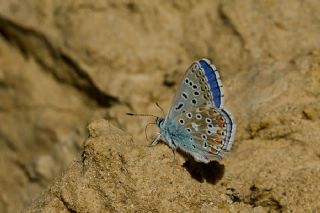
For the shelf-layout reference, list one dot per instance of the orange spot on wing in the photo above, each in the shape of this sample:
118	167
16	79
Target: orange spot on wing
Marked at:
219	132
212	138
202	108
218	140
212	112
219	120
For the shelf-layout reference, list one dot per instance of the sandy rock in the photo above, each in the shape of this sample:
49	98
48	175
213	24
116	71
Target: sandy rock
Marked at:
114	174
64	64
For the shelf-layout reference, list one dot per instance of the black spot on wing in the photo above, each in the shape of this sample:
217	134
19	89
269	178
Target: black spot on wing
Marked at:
180	105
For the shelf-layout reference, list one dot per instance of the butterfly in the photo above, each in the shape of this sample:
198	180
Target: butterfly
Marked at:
197	122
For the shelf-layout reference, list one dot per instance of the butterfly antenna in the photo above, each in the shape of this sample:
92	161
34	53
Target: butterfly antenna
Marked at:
157	104
138	114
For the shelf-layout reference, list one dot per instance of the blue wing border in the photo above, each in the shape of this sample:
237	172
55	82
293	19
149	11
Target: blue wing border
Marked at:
214	82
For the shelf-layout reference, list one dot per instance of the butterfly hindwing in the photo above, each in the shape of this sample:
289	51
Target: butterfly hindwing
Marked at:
211	130
230	129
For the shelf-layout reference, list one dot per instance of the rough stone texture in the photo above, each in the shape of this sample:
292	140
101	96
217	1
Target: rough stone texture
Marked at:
65	63
114	175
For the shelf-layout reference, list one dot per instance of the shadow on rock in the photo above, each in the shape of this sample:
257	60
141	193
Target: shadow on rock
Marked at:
211	172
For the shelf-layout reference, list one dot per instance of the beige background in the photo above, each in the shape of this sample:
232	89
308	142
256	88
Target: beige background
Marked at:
64	64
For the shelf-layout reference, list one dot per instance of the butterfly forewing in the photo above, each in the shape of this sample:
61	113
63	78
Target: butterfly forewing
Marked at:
194	90
213	82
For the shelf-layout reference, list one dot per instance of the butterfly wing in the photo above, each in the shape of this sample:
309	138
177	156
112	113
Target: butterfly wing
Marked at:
200	85
198	108
211	132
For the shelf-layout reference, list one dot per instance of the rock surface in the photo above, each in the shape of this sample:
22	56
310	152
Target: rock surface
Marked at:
66	63
116	175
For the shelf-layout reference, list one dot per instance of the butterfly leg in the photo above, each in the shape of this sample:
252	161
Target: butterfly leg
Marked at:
155	141
174	162
174	155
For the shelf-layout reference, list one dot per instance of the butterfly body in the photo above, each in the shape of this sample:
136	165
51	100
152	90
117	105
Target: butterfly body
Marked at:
197	123
174	135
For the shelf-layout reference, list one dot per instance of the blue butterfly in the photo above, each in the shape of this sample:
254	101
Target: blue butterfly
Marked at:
197	123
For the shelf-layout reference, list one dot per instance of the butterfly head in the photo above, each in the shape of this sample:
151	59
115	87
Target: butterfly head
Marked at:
159	121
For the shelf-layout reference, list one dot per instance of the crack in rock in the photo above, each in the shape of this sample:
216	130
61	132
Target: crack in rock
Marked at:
66	204
229	23
64	69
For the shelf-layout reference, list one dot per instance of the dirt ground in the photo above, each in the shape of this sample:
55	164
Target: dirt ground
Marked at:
70	70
